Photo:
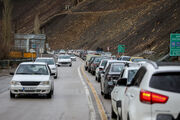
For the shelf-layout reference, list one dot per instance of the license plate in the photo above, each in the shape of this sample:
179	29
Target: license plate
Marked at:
29	88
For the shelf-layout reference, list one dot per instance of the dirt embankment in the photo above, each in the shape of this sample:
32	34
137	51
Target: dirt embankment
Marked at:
140	25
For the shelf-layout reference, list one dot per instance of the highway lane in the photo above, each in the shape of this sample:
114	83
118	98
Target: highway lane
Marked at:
70	99
68	103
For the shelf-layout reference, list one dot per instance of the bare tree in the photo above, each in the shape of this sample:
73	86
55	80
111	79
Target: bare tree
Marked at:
37	24
6	27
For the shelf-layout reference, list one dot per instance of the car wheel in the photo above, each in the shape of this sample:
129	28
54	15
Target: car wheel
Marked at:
96	78
12	95
113	114
119	118
85	68
101	89
49	95
55	77
106	96
70	65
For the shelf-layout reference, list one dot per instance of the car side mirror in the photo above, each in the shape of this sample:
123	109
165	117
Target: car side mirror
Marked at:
122	82
52	74
11	73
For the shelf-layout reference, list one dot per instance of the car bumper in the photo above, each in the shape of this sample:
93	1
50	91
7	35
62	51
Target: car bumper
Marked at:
30	89
65	63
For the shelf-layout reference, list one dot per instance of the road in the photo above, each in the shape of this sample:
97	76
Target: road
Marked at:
72	100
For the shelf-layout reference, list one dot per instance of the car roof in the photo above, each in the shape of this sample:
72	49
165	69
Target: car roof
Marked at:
39	63
45	58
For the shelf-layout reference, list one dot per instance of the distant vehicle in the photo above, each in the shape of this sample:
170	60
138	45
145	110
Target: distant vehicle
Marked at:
95	64
88	59
110	77
64	60
100	68
117	94
62	52
153	93
32	78
73	57
50	61
137	59
124	58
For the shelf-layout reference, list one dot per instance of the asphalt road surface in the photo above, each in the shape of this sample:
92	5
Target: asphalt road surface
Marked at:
72	100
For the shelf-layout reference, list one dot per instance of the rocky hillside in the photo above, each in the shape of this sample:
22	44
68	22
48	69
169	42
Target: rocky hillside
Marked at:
144	26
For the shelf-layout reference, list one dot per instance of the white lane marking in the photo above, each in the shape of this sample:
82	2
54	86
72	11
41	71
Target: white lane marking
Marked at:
90	104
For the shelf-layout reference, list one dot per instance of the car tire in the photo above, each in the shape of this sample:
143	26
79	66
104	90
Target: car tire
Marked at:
113	114
119	118
12	95
101	89
85	68
49	95
106	96
55	77
96	78
70	65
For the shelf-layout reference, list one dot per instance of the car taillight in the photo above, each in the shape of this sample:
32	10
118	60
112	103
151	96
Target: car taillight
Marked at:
150	97
100	69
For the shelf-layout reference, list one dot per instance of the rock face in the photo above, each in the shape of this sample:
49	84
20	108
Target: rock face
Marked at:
141	25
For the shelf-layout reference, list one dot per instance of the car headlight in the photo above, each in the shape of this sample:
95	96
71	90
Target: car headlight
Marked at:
44	83
15	83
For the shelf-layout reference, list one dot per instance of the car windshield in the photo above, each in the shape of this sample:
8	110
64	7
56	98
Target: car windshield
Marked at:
32	69
64	57
117	68
97	60
131	74
138	60
126	58
48	61
104	63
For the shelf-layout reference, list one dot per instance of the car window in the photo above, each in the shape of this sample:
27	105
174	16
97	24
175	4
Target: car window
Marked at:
64	57
139	76
126	58
169	81
117	68
32	69
104	63
48	61
131	74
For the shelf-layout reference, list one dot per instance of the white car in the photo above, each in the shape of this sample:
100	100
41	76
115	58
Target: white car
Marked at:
99	69
73	57
50	61
32	78
64	60
117	94
154	93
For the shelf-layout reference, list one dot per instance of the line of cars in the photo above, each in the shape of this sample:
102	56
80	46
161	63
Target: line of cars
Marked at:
139	89
38	77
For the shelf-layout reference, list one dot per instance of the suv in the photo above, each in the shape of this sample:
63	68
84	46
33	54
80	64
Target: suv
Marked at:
64	60
100	68
117	94
154	93
50	61
110	77
32	78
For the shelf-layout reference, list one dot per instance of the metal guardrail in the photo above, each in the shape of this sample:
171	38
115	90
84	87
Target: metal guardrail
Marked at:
12	63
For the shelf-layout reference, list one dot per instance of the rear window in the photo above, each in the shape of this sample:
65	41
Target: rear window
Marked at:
166	81
117	68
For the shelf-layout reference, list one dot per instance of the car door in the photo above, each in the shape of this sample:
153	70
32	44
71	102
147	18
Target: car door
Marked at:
132	92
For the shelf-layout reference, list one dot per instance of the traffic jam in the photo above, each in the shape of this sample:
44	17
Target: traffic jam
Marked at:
89	59
136	88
